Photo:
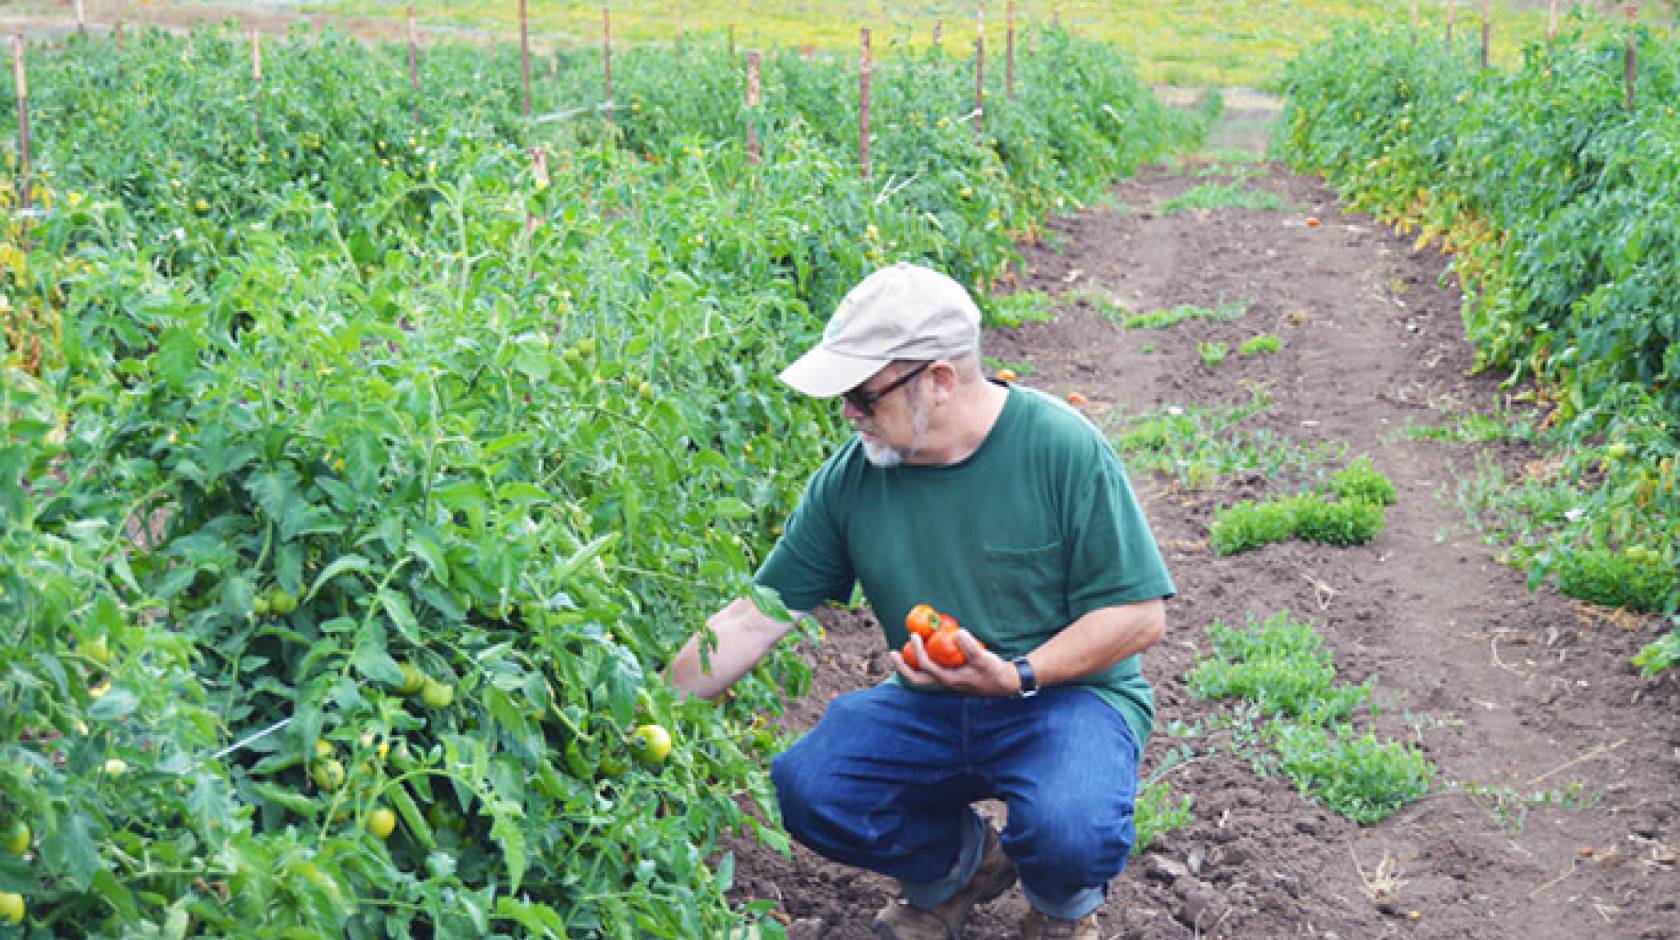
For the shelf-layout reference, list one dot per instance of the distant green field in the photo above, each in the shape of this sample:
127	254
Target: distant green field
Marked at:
1183	42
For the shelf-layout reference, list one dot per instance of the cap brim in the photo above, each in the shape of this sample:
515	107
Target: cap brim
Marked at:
822	373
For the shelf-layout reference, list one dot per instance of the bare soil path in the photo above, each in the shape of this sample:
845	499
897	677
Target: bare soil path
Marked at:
1556	813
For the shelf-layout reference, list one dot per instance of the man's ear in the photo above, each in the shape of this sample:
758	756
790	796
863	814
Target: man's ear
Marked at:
945	379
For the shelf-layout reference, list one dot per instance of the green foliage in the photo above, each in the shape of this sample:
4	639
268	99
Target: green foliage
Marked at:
1212	352
1474	429
1249	524
1281	668
1357	776
1157	813
1162	319
1359	480
1198	446
1281	665
1232	195
1265	344
329	409
1021	307
1559	200
1662	653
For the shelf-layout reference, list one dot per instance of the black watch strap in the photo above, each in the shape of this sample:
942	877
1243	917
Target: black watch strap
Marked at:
1029	679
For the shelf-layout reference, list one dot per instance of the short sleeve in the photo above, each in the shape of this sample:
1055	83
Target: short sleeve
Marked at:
1113	558
810	564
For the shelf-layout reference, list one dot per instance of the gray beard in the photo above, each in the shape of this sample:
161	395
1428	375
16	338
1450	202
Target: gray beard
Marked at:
885	457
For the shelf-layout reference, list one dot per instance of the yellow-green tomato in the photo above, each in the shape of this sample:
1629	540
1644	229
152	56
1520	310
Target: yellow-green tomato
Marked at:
97	650
381	822
437	694
282	601
11	907
17	838
328	774
413	680
652	743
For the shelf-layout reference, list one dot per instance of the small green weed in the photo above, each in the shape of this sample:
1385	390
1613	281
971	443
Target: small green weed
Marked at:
1280	664
1147	349
1232	195
1264	344
1162	319
1360	480
1280	667
1663	653
1511	806
1197	446
1028	306
1212	352
1637	577
1157	813
1249	524
1358	776
1473	429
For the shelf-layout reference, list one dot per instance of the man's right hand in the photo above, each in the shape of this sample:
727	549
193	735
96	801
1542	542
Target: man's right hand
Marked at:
744	635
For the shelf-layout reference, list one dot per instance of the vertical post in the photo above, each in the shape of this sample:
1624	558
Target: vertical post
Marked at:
1632	69
1487	33
1451	11
81	18
21	78
732	42
938	27
606	60
754	89
1009	54
676	9
1414	21
864	68
119	35
256	80
414	65
980	70
1552	21
525	58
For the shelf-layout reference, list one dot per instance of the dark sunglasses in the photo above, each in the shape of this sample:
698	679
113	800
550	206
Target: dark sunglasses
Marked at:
865	401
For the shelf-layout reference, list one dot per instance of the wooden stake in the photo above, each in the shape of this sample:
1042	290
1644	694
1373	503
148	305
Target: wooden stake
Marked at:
1552	21
1632	69
677	10
1487	33
732	42
606	59
525	57
21	79
81	18
1009	54
1451	11
938	26
864	68
980	70
414	65
754	89
1414	20
256	80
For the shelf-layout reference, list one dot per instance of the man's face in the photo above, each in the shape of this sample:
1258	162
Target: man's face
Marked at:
888	413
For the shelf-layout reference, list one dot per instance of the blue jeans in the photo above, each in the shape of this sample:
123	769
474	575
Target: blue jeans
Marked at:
884	782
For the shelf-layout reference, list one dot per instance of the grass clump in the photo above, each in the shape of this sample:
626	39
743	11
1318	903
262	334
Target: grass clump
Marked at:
1249	525
1172	316
1212	352
1157	812
1361	481
1232	195
1027	306
1280	667
1264	344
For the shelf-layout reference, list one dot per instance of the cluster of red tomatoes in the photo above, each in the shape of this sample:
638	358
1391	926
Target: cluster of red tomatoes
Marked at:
939	637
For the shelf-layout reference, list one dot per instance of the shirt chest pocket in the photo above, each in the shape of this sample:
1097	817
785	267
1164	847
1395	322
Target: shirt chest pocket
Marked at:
1025	589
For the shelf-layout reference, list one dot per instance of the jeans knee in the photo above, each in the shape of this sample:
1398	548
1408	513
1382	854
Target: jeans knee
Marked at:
1077	850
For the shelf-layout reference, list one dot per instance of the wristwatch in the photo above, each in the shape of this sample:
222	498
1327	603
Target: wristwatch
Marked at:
1029	679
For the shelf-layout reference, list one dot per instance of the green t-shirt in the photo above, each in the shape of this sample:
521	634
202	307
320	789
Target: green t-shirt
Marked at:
1036	528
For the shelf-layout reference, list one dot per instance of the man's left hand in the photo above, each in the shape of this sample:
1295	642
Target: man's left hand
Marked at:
982	672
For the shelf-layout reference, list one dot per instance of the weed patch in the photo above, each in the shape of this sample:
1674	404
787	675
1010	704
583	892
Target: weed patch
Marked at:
1233	195
1172	316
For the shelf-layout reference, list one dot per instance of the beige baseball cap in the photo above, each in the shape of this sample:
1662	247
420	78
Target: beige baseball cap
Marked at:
902	312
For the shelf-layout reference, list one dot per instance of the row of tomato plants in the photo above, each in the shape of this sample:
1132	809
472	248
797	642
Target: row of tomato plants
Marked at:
421	461
1560	202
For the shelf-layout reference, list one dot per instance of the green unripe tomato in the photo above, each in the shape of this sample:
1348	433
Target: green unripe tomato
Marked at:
11	907
327	774
17	838
97	650
652	744
259	604
437	694
413	679
381	822
282	601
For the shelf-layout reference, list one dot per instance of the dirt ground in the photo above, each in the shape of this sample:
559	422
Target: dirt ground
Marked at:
1556	813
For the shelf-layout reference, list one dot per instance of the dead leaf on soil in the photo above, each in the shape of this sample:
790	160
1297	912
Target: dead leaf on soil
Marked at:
1590	615
1296	318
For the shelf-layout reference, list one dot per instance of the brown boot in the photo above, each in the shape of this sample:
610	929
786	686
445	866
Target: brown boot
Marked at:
900	921
1036	926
